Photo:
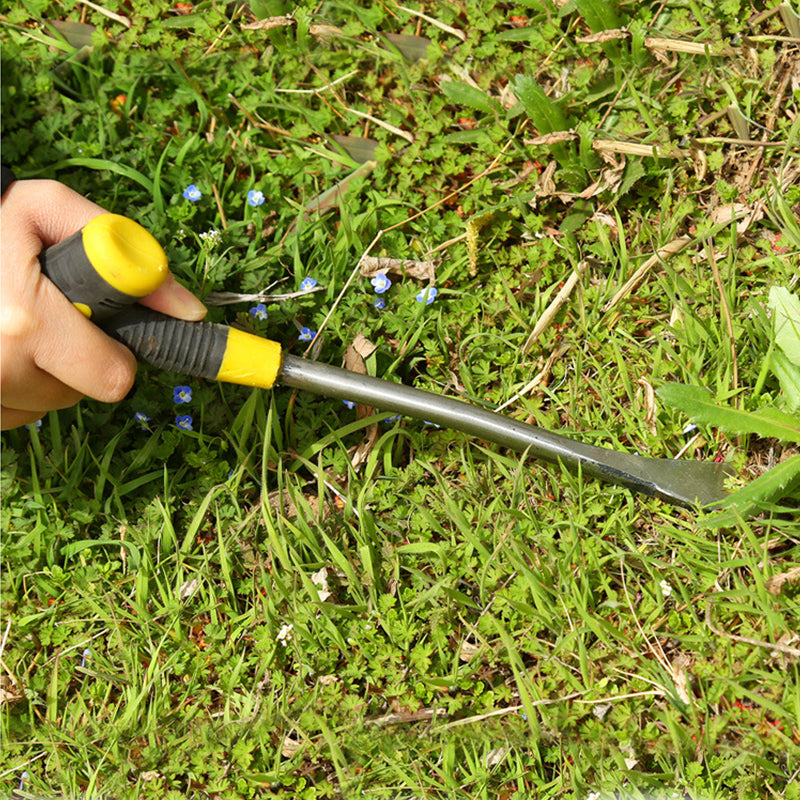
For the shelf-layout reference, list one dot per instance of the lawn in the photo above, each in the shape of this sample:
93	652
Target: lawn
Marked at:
210	591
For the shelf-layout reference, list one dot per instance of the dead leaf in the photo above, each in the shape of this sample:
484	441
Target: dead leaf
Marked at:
290	746
188	588
552	138
468	651
494	757
357	351
775	583
605	36
269	23
422	270
281	501
678	670
10	691
649	404
320	580
325	32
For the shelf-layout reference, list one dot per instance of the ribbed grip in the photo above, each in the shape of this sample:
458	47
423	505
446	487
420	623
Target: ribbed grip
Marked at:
191	348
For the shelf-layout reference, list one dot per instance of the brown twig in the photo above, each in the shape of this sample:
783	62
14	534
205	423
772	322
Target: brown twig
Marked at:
782	648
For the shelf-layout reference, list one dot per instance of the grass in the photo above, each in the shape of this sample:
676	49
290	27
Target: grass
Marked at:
464	622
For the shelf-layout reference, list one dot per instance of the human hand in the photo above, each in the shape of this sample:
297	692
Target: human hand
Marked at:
51	354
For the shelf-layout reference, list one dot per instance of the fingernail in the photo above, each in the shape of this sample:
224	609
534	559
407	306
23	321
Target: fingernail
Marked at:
183	303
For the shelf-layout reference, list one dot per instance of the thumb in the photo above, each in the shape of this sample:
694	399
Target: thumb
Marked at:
176	300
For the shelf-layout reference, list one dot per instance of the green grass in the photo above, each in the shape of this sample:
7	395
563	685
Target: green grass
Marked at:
465	623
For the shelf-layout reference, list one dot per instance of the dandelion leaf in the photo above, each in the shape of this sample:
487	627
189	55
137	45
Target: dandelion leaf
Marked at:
465	95
781	481
698	404
546	114
788	376
785	308
599	14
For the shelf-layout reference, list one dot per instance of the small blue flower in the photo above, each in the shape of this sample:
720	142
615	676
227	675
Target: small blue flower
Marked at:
182	394
350	404
391	420
381	283
35	425
307	285
87	652
306	335
427	295
255	197
142	420
22	779
432	424
259	311
380	303
184	422
191	192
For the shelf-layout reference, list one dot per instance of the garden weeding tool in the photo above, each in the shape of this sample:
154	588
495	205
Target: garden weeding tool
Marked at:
113	262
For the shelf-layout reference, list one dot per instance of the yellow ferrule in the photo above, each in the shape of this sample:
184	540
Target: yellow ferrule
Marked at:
250	360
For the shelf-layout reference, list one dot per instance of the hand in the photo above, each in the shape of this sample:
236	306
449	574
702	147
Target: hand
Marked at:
51	354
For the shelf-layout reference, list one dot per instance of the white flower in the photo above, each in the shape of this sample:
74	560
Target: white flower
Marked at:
593	796
211	238
285	634
666	589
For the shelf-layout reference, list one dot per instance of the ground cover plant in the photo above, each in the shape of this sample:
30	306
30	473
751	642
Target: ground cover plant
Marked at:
581	213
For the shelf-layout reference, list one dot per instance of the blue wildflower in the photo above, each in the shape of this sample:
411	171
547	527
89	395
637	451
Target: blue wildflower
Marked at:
380	303
306	335
350	404
307	285
142	420
182	394
191	192
184	422
427	295
432	424
255	197
381	283
35	425
87	652
391	420
22	778
259	311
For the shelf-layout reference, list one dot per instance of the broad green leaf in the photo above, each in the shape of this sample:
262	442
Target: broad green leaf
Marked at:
412	48
788	375
546	115
785	308
599	14
465	95
778	482
698	404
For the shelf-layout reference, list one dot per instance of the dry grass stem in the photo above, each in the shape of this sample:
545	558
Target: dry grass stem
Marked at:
671	249
544	321
435	22
385	125
105	12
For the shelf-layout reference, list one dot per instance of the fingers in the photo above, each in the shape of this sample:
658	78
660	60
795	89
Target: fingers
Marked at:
56	212
177	301
13	418
77	353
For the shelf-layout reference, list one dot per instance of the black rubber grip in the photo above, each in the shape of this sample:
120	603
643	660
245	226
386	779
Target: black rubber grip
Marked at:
191	348
68	266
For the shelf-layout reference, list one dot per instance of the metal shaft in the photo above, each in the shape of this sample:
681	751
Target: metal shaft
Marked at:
682	483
